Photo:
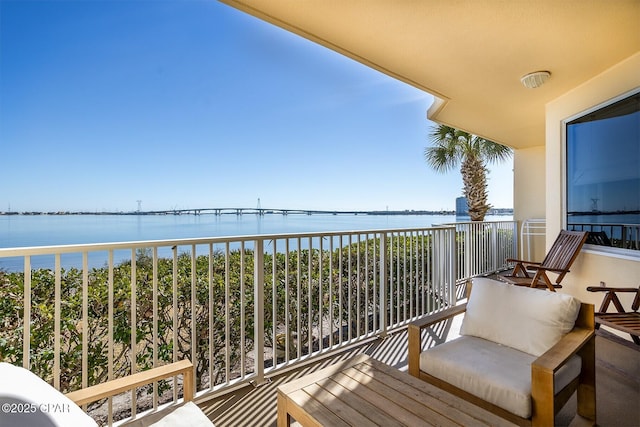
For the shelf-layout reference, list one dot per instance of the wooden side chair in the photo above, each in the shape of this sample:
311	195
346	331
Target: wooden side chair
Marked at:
558	260
624	321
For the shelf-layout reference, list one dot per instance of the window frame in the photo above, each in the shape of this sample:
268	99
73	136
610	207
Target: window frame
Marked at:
629	254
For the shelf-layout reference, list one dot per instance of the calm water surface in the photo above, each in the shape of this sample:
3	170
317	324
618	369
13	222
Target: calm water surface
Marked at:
45	230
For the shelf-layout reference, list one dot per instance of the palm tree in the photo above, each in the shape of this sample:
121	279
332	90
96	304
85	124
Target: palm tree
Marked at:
451	146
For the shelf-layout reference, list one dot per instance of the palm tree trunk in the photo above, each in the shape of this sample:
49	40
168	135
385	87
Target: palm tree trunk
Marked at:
474	178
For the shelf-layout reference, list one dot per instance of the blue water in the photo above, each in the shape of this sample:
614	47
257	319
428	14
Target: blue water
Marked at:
47	230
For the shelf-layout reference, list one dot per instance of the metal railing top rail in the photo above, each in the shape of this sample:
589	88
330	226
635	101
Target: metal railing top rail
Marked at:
95	247
478	222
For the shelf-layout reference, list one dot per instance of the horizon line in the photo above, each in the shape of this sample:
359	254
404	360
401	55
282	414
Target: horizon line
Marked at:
250	210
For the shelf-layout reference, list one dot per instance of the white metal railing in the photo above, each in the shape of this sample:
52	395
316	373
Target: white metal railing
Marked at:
241	308
484	247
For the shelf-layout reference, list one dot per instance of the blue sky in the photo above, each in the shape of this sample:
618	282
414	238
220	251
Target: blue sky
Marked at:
185	104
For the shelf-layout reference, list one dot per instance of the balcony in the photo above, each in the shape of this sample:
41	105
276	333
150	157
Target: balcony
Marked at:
250	312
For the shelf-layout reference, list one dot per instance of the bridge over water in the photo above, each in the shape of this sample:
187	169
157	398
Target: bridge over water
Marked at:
265	211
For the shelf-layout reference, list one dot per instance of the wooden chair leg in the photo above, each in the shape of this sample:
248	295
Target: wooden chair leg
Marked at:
414	350
587	385
542	397
542	277
519	270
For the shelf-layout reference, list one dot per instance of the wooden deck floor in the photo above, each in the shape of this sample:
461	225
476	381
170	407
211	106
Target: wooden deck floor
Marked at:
617	382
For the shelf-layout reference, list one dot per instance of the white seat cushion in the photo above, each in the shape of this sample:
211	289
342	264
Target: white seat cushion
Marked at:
22	390
496	373
527	319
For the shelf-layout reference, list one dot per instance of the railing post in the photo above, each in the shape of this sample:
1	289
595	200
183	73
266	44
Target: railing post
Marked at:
26	328
468	267
85	318
516	242
258	311
452	253
494	246
384	321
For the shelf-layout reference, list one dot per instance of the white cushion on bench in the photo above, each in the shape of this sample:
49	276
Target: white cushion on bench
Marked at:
527	319
495	373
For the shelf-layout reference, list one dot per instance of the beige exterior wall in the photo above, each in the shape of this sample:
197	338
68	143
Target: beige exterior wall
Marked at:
529	197
591	267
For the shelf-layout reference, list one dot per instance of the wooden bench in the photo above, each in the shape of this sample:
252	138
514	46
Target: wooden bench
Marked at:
624	321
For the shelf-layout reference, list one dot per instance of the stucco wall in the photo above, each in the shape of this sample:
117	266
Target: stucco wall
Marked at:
591	267
529	197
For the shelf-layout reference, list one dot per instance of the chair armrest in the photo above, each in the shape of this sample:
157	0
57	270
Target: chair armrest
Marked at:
554	358
521	261
541	268
543	393
613	297
113	387
438	317
607	289
414	329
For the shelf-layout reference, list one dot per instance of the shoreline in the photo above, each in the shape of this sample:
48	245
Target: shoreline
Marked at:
254	211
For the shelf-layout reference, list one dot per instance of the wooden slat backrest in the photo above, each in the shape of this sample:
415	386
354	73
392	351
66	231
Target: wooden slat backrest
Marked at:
564	251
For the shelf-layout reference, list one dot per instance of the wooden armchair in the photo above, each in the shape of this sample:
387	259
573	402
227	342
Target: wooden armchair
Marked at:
482	370
625	321
558	260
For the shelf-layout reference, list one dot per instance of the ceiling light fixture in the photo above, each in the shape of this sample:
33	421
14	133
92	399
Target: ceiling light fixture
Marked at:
535	79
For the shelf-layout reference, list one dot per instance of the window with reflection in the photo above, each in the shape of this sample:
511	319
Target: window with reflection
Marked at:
603	174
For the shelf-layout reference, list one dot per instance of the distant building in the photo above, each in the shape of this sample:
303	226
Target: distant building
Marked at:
462	207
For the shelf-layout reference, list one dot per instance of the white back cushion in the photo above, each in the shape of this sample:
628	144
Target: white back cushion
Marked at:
527	319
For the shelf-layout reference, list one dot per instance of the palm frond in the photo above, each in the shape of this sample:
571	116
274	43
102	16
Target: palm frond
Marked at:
445	151
450	147
493	152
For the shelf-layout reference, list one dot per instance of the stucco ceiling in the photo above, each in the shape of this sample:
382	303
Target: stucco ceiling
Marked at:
471	54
